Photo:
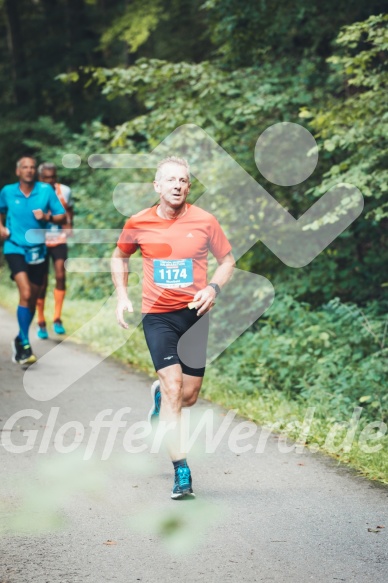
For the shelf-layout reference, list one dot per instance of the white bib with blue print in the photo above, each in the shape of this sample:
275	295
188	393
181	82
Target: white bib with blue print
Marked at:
173	273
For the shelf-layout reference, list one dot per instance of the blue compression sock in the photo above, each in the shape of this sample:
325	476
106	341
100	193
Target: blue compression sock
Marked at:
25	317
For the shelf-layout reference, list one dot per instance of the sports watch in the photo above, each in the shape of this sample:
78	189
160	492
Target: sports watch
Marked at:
216	287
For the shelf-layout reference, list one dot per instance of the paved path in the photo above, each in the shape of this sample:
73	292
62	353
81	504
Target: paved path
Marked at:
270	516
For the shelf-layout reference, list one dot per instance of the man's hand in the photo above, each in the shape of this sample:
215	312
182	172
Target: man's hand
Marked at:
68	228
124	305
4	232
205	300
40	215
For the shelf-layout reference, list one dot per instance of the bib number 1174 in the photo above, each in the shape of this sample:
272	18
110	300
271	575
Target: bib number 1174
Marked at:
173	273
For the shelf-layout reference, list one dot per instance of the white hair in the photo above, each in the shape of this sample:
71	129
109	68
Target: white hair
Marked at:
22	158
46	166
171	160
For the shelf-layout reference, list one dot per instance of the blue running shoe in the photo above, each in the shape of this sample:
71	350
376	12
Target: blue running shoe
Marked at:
156	395
42	332
58	327
182	484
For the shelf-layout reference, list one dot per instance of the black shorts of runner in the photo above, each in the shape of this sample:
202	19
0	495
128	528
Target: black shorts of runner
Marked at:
57	252
17	263
163	333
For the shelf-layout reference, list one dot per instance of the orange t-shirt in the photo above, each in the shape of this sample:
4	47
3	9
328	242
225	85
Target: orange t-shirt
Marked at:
174	255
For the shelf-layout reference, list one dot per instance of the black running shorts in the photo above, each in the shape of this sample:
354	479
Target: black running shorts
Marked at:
17	263
57	252
168	343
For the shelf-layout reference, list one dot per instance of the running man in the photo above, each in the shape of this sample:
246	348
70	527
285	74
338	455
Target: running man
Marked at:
28	205
174	238
56	242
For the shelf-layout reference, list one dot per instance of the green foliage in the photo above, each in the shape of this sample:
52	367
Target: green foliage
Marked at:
353	124
349	127
248	33
334	359
43	39
345	110
135	25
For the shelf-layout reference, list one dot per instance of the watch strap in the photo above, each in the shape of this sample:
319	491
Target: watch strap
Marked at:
216	288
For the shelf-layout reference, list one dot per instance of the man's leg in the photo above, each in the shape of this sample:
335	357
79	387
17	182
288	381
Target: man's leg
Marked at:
191	387
171	387
28	294
42	329
178	386
60	255
177	390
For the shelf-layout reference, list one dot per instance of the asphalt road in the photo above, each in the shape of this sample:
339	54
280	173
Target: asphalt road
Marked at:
259	515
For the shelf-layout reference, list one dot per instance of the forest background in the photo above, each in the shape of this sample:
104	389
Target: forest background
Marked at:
87	76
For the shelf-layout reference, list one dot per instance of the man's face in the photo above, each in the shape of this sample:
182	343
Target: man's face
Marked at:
174	186
26	170
49	176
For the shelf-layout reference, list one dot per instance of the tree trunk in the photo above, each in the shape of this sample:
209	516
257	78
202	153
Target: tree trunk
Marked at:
76	28
18	59
54	15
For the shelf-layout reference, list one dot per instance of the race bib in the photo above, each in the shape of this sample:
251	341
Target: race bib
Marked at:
173	273
35	255
52	231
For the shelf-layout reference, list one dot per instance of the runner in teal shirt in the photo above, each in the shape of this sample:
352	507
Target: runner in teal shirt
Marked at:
20	217
28	205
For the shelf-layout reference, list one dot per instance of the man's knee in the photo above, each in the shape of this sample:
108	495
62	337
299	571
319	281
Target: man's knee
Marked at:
190	399
60	274
25	293
60	282
191	390
172	386
171	383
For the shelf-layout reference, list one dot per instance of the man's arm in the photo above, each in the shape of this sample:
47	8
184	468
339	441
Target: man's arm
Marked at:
69	221
4	233
205	298
46	217
69	213
56	213
58	219
119	271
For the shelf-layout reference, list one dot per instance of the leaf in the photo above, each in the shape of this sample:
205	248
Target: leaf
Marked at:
365	398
